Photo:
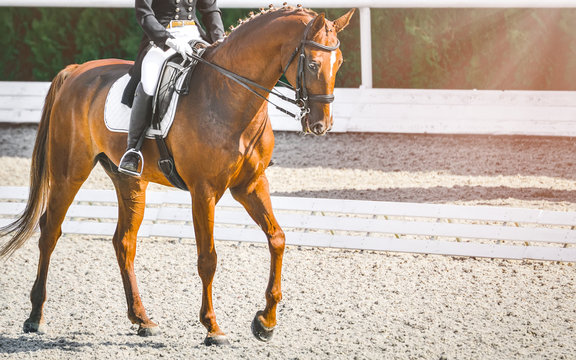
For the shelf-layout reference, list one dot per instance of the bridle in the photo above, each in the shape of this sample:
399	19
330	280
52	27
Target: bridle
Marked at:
302	97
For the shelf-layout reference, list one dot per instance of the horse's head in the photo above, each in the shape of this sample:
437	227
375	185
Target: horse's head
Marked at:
312	71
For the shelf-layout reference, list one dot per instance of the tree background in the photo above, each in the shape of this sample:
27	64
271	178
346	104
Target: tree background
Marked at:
529	49
502	49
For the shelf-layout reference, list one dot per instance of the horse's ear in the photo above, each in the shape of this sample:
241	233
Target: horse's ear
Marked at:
319	23
343	21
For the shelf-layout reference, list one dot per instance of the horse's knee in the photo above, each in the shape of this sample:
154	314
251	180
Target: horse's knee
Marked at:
207	264
125	245
277	242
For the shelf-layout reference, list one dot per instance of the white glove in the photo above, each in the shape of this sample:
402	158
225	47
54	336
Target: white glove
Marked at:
181	46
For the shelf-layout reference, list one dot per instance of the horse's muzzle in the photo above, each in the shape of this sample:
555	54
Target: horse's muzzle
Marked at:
319	128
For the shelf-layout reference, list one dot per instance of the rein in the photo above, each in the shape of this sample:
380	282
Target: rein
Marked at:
302	97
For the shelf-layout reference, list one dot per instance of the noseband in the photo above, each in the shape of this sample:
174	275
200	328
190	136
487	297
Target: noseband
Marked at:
302	97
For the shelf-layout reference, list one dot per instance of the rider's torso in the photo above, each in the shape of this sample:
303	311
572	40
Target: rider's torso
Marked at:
166	11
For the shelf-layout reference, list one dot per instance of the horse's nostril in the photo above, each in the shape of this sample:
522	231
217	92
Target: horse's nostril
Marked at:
318	128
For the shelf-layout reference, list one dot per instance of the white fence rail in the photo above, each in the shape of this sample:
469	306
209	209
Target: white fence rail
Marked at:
547	113
479	231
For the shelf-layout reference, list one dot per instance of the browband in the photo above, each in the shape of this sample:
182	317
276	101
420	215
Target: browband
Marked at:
321	46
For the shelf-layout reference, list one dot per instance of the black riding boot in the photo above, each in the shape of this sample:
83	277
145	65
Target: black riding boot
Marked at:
139	122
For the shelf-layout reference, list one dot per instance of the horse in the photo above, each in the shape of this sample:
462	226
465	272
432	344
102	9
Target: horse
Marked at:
221	139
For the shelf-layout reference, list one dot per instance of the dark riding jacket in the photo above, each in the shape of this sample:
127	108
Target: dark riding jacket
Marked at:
155	15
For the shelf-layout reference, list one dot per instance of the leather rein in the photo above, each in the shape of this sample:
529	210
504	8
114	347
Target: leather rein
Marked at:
302	97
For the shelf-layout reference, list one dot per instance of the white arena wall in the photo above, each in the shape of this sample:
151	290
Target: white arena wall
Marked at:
542	113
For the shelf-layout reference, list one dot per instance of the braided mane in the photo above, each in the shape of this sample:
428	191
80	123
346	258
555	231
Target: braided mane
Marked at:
271	12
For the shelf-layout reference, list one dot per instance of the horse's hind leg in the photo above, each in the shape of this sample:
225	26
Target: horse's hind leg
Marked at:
62	191
131	193
255	198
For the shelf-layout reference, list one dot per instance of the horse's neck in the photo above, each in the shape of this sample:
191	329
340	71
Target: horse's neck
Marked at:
256	54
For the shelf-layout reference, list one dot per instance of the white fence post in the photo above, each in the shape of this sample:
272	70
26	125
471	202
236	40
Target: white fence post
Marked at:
366	47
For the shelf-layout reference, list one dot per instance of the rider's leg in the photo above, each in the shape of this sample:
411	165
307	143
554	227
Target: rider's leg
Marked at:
139	121
142	109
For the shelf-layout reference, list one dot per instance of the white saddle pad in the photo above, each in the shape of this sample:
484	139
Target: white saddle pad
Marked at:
117	115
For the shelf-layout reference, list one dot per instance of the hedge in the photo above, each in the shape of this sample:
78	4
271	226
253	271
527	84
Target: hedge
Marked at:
509	49
530	49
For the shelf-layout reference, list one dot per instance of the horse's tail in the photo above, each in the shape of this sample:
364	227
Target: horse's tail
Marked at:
23	227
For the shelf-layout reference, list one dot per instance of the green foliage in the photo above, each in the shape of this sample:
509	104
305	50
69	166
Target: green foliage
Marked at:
111	33
531	49
50	40
528	49
8	42
230	17
39	43
11	43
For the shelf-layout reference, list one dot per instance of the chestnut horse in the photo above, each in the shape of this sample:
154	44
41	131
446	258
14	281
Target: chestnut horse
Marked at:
221	139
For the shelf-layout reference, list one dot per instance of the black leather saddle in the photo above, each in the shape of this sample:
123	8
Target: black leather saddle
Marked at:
173	69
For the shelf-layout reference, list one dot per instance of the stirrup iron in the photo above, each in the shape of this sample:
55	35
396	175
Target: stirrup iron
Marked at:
129	172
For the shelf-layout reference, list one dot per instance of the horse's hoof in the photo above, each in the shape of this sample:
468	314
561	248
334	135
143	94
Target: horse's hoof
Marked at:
260	331
34	327
148	331
217	340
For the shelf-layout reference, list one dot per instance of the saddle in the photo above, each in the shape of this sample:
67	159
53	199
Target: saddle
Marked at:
173	69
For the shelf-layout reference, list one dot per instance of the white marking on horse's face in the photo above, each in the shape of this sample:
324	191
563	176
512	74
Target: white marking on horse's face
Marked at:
333	59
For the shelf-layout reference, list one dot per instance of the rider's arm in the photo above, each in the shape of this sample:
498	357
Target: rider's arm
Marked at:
151	26
211	18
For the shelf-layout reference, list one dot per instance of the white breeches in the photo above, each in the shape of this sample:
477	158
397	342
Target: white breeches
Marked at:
153	60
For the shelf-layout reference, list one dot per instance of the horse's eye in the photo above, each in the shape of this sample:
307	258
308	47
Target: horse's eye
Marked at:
313	66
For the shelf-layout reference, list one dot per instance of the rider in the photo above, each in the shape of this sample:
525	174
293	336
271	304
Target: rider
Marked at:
168	27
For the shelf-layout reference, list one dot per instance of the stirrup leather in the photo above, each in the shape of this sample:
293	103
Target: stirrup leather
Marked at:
130	172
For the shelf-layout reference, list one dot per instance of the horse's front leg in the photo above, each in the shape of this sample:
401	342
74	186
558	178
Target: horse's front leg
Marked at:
203	203
255	197
131	194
